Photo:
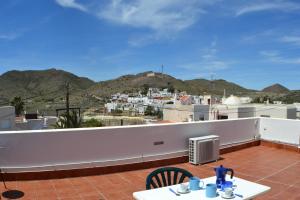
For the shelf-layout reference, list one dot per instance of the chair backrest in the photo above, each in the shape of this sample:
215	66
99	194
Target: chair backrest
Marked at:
166	176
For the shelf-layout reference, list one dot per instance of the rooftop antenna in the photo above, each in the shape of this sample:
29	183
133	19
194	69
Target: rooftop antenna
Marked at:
212	83
68	103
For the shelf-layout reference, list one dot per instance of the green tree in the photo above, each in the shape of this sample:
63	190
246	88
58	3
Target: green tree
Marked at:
145	89
74	121
159	114
18	103
149	110
92	123
171	88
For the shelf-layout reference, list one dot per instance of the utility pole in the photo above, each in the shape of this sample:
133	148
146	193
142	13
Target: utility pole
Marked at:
68	103
162	69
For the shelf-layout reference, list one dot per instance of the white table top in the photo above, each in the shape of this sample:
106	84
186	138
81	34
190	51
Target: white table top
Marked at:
248	189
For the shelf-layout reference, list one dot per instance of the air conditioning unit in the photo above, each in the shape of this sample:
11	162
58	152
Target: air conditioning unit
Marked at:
204	149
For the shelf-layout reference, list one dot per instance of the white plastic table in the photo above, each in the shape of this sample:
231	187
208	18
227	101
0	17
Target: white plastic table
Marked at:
248	189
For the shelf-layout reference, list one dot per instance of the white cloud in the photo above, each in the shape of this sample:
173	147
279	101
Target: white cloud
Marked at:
291	39
71	4
8	36
269	53
209	61
259	6
210	66
159	15
275	57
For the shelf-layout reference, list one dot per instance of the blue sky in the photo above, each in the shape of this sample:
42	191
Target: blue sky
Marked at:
253	43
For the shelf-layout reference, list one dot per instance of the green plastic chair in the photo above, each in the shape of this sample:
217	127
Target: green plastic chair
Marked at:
166	176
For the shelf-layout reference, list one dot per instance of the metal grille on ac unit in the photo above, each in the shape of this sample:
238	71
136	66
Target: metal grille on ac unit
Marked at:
204	149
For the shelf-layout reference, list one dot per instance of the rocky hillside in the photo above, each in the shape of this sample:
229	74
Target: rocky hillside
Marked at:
276	88
43	85
133	83
45	89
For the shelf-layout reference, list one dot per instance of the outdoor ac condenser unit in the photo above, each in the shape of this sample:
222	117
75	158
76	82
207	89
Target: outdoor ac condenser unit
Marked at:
204	149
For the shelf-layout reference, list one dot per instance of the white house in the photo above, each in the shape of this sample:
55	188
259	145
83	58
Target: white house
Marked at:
233	107
7	118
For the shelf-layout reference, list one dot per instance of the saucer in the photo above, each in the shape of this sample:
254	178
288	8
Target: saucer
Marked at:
198	188
183	192
226	197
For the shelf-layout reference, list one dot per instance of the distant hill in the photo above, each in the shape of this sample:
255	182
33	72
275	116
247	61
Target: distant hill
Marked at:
43	85
45	89
200	86
133	83
276	88
291	97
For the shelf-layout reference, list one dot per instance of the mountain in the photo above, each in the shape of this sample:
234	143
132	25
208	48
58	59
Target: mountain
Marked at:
134	83
45	90
43	85
200	86
276	88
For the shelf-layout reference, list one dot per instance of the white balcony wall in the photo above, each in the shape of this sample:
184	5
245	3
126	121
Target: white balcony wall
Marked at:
76	148
280	130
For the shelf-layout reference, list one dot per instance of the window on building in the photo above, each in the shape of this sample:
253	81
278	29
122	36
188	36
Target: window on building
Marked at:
222	117
201	117
265	116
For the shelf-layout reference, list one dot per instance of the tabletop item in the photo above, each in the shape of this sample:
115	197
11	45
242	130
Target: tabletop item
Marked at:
226	184
245	190
228	193
171	190
195	183
221	174
211	190
183	188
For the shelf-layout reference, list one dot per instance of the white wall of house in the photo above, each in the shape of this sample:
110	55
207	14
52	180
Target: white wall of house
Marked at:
75	148
273	111
31	124
183	113
280	130
7	118
255	110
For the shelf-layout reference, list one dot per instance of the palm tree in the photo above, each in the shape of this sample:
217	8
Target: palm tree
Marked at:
18	103
74	121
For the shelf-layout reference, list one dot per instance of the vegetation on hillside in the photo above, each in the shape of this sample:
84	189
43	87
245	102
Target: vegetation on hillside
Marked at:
276	88
92	123
73	120
44	90
18	103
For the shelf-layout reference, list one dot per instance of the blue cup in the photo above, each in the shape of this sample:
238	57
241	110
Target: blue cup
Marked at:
211	190
195	183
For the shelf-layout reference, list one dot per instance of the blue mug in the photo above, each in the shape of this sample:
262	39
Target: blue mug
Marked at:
195	183
211	190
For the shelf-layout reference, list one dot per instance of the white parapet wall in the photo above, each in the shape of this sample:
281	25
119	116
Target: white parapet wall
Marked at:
280	130
39	150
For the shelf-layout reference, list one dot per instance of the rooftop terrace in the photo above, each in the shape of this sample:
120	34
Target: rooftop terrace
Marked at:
113	162
277	168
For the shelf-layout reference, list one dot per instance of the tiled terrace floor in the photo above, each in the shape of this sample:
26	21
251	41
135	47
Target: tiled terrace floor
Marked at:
279	169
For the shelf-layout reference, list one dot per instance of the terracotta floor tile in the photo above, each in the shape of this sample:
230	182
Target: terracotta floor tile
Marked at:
284	177
280	172
276	188
45	192
92	197
291	193
71	198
